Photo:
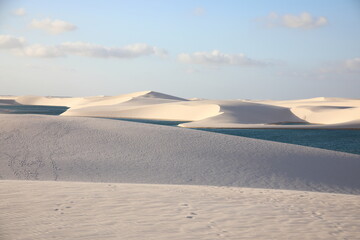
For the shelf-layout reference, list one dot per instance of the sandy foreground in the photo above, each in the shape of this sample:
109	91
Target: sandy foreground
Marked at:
73	210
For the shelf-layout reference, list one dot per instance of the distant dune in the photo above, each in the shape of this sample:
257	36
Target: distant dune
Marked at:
328	113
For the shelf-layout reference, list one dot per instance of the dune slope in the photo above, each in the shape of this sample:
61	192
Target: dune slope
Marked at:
239	113
102	150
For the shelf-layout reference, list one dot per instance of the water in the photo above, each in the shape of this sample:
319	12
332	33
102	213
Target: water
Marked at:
338	140
32	109
334	139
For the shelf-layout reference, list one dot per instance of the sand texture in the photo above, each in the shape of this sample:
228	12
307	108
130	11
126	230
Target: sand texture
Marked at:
69	210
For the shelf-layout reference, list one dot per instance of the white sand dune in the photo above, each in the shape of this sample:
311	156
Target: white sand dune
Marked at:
103	150
140	109
51	101
71	155
148	105
74	102
239	113
325	112
70	210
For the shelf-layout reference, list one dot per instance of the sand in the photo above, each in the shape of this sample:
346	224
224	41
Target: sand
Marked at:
78	177
104	150
324	113
71	210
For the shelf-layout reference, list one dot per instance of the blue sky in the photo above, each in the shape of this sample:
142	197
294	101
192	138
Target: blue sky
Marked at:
208	49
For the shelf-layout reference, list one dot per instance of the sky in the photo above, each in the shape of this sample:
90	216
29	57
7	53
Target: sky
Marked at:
188	48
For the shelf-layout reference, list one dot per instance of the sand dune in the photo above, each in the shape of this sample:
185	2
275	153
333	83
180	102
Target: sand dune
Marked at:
72	155
88	101
234	113
322	110
70	210
325	112
103	150
149	105
149	109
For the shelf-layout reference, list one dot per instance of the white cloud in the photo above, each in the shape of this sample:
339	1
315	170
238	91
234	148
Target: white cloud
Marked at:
92	50
20	12
8	42
78	48
304	20
216	58
53	26
41	51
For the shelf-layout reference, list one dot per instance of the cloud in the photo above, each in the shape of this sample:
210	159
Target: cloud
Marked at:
216	58
351	66
20	12
92	50
79	49
8	42
53	26
41	51
304	21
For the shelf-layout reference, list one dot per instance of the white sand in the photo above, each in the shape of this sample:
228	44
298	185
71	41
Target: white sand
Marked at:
102	150
69	210
69	149
328	113
323	110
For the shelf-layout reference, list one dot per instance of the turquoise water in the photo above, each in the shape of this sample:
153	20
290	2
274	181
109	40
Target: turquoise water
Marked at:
338	140
32	109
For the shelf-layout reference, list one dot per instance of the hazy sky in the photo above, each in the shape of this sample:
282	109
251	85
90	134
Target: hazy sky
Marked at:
208	49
